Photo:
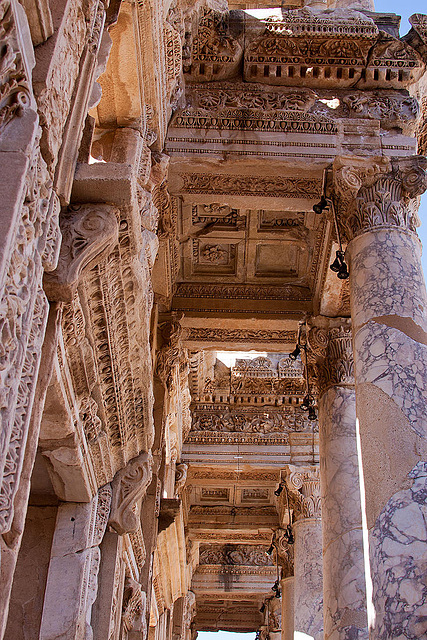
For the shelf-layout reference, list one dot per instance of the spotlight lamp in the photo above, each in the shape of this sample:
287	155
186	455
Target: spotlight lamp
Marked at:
321	206
276	589
339	266
312	413
270	549
307	402
295	353
279	490
262	608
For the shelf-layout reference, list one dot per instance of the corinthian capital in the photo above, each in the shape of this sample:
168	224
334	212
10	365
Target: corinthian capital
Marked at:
304	491
332	346
374	193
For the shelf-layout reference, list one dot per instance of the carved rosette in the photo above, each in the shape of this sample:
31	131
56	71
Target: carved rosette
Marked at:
129	487
378	194
334	353
304	492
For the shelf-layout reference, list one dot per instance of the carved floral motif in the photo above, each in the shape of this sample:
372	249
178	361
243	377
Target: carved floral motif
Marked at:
15	92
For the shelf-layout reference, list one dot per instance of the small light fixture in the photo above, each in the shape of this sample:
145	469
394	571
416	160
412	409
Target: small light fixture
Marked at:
306	403
321	206
289	535
279	490
270	549
276	589
262	608
295	353
312	413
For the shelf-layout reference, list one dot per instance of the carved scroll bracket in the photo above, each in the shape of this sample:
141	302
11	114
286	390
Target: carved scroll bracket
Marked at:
129	487
378	193
88	232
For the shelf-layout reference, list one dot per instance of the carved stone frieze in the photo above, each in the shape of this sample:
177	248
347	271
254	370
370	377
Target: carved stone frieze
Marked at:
304	492
15	83
88	231
129	486
248	421
241	291
233	554
23	317
207	334
272	186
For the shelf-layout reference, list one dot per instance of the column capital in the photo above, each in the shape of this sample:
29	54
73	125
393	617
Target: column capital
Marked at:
377	192
331	342
304	492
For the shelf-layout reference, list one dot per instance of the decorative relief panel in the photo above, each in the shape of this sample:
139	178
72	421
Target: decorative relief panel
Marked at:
272	186
246	555
236	335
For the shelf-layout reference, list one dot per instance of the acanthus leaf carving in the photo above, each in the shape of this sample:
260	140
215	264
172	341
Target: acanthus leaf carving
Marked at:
378	194
129	487
334	354
304	492
88	231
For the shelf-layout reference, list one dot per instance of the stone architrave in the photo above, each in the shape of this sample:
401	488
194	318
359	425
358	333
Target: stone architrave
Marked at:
74	567
388	309
129	487
344	591
304	495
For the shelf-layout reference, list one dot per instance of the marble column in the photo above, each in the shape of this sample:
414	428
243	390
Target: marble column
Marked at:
344	587
388	309
304	494
287	587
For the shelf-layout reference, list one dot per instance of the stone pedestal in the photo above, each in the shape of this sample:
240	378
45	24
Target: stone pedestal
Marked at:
344	590
308	584
287	586
388	308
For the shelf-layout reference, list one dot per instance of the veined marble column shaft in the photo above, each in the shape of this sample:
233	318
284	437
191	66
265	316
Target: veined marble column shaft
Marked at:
388	308
287	587
344	587
308	588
